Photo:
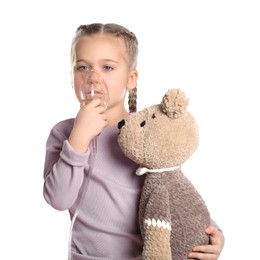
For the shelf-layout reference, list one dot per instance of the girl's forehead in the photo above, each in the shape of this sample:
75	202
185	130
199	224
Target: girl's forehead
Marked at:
100	45
101	41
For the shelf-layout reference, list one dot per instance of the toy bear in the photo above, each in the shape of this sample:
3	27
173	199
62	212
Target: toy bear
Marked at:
172	214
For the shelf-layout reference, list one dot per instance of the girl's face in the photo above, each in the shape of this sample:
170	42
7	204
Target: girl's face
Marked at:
107	55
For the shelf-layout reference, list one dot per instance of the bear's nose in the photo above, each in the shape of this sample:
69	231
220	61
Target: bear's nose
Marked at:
121	124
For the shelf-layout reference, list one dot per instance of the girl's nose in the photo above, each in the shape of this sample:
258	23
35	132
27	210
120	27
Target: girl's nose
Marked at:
93	77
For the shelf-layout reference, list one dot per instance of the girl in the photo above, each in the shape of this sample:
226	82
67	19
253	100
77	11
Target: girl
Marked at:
106	223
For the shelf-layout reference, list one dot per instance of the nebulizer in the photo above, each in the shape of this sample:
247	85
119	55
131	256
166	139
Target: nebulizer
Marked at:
93	86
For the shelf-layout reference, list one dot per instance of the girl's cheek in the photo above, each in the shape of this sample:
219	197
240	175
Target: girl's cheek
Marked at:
77	87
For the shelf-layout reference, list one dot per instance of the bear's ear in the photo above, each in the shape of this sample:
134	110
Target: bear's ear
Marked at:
174	103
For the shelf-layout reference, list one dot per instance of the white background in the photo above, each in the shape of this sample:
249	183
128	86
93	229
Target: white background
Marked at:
210	49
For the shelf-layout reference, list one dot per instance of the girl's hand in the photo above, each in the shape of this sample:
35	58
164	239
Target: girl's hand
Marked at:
89	122
91	118
211	251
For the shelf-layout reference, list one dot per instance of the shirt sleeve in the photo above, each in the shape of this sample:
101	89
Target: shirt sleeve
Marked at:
63	171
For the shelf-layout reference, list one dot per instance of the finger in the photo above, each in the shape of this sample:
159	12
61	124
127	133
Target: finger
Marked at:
91	102
204	249
210	230
202	256
82	103
104	117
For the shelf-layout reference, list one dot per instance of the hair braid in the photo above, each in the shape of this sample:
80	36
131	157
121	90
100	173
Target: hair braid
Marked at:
132	100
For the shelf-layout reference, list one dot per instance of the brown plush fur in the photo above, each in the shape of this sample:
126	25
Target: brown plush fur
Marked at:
172	214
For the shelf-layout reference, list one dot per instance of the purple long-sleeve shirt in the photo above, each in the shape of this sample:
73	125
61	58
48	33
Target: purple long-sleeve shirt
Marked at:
107	223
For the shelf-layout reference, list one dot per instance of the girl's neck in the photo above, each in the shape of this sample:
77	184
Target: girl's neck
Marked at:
115	116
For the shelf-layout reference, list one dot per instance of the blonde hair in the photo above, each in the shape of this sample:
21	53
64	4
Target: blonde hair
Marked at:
115	30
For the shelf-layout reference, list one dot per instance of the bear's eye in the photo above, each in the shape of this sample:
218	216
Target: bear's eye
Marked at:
121	124
142	124
153	116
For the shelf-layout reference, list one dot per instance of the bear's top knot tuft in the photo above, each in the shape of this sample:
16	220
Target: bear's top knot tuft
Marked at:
174	103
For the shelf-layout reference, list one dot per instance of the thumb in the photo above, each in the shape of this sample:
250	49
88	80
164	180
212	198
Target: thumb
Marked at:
210	230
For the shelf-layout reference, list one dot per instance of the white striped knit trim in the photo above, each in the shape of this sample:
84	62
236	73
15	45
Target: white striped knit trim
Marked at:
158	223
143	170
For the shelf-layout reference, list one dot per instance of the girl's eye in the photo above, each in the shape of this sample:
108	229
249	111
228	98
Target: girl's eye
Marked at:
107	68
82	68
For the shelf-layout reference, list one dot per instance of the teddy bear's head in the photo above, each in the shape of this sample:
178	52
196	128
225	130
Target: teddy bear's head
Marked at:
160	136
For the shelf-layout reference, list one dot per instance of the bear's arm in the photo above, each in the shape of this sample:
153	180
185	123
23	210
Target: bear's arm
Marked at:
157	226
